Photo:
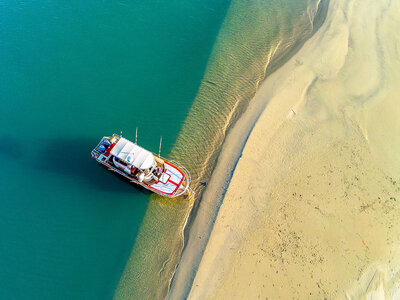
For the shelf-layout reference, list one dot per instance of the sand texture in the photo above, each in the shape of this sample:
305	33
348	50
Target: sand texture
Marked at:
251	33
312	210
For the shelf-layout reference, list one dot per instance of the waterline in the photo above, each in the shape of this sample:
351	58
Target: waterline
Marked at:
242	56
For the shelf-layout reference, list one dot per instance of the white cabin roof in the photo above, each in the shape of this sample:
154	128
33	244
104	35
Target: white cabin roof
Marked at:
133	154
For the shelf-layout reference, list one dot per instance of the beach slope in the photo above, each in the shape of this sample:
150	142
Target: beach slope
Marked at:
312	207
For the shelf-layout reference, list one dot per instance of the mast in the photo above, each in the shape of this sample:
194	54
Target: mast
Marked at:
159	149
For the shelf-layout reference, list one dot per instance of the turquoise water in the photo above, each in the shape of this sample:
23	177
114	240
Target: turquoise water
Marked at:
255	38
71	72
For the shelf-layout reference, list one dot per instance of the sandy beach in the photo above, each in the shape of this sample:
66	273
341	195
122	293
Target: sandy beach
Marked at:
312	207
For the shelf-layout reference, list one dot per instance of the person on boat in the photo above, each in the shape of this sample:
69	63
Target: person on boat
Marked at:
141	176
157	171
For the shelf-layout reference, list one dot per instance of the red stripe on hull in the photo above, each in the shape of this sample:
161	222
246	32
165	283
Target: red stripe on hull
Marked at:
174	183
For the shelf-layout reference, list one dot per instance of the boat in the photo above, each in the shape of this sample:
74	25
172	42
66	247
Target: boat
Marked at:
142	167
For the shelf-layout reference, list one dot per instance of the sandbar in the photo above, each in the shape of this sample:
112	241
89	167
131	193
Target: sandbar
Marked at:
312	207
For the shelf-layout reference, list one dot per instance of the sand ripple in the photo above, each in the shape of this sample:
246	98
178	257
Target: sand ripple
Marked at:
254	39
312	209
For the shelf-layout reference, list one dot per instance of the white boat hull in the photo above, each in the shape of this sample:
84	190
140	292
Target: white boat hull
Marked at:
173	182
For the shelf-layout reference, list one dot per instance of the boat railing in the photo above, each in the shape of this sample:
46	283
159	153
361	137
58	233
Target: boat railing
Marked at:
189	178
187	174
130	179
179	165
113	168
183	168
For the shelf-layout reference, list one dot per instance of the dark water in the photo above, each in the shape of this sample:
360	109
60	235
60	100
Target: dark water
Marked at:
71	72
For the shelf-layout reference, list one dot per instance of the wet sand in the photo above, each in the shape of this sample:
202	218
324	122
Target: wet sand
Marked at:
312	207
240	57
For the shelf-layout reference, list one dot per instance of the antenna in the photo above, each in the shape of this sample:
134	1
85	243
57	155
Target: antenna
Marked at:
159	149
136	136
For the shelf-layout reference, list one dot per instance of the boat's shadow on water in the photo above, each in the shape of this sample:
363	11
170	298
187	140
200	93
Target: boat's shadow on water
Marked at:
72	158
14	149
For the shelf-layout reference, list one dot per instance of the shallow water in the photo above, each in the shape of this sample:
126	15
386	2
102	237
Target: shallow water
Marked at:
70	73
73	72
321	218
255	38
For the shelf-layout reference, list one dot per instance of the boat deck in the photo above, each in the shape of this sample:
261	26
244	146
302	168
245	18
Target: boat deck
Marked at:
169	181
173	181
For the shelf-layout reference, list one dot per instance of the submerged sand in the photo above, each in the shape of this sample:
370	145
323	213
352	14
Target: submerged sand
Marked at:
252	32
313	206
